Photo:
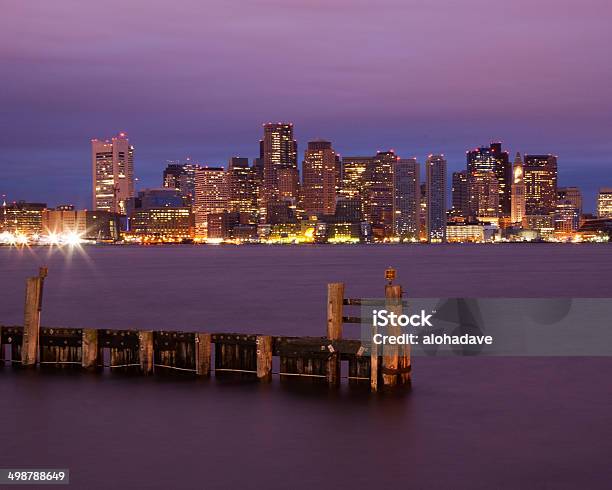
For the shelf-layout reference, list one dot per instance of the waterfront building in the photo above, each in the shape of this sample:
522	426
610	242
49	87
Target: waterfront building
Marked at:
540	173
465	232
278	149
489	159
319	174
571	194
604	203
567	217
243	189
484	195
406	202
22	218
354	179
211	196
518	192
164	224
435	179
113	173
459	196
379	201
181	176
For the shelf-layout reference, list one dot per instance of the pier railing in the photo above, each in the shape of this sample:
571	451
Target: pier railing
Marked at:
197	354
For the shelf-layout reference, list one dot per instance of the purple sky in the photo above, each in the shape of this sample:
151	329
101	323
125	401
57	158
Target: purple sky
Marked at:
198	77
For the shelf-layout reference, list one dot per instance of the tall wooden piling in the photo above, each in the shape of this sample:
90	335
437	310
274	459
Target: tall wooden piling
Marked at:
264	357
202	354
90	349
390	368
145	339
335	302
31	324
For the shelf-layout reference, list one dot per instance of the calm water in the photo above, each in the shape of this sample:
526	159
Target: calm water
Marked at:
468	422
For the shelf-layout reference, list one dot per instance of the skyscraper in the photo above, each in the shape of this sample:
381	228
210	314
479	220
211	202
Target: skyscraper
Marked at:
211	196
518	191
319	179
279	150
604	203
540	185
243	188
378	205
113	173
406	204
491	159
460	198
571	194
435	173
484	195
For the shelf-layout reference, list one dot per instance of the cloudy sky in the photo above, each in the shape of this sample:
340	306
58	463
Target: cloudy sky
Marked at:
198	78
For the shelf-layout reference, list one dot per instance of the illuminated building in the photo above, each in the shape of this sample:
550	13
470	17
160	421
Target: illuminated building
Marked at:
540	173
484	195
181	176
465	232
481	161
354	178
22	218
211	196
423	213
567	217
459	195
406	202
243	189
571	194
288	184
319	179
518	191
379	201
87	225
279	149
221	225
348	209
604	203
435	179
113	173
544	224
166	224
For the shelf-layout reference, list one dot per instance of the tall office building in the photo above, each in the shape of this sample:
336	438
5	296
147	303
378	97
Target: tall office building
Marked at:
243	188
483	188
211	196
571	194
459	196
319	179
378	204
435	179
604	203
406	203
288	184
113	173
181	176
540	173
279	150
489	159
517	214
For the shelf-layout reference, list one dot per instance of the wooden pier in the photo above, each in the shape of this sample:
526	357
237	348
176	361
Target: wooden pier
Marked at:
236	355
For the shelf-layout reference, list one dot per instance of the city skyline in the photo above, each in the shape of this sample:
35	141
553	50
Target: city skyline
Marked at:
367	77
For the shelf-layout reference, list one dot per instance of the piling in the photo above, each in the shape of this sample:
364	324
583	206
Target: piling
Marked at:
335	302
89	356
31	323
264	357
145	339
202	354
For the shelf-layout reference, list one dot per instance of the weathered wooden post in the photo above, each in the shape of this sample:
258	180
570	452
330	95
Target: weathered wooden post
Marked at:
145	339
335	305
264	357
90	349
31	323
202	354
393	304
